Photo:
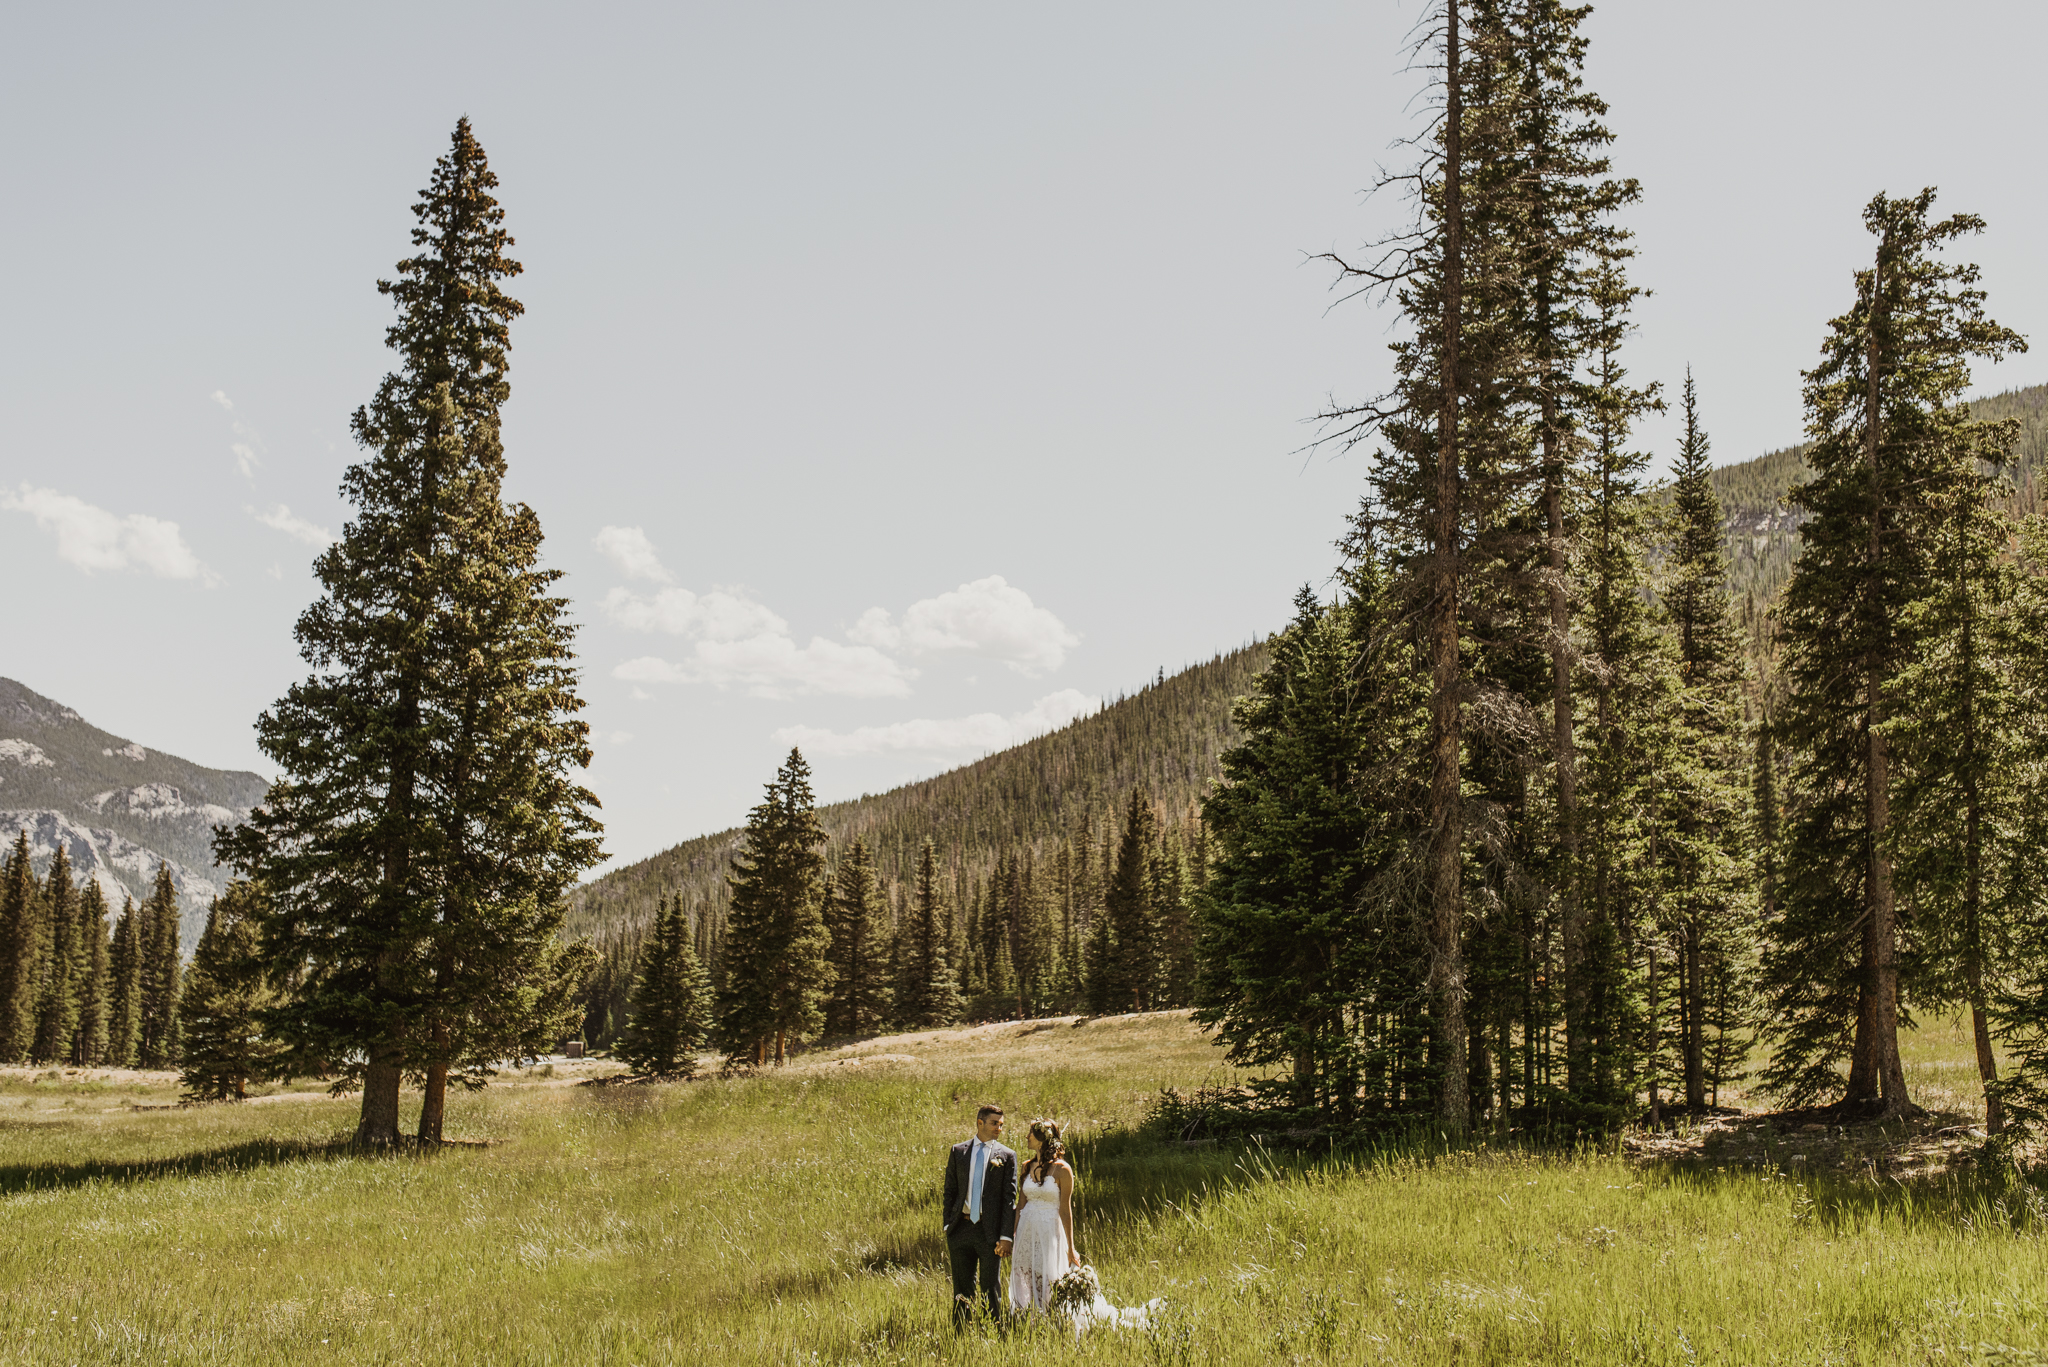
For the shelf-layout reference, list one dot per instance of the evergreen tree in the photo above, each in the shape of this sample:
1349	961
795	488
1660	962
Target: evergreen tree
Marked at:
1284	894
1133	969
1884	414
670	1013
997	940
928	991
124	988
1459	477
2021	998
775	974
1709	871
1567	244
89	1044
1958	742
226	992
1100	957
857	919
1170	883
1037	951
416	850
61	968
1630	683
22	938
157	976
1311	931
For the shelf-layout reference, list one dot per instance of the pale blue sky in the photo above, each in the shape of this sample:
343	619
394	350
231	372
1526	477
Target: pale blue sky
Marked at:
844	308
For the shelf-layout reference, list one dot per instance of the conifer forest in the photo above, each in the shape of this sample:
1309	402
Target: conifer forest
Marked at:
1573	795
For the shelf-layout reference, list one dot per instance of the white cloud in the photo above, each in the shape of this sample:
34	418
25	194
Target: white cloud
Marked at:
986	617
734	640
720	615
981	734
774	666
95	539
282	519
630	550
244	450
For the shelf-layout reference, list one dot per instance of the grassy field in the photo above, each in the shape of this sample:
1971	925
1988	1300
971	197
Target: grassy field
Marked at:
793	1219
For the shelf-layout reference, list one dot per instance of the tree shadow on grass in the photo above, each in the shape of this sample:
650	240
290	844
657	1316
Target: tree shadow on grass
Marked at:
249	1156
1131	1177
1991	1197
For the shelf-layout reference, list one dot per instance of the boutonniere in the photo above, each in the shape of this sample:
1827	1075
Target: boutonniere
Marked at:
997	1161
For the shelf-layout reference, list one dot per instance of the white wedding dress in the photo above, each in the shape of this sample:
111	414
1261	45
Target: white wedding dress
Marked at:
1038	1259
1038	1249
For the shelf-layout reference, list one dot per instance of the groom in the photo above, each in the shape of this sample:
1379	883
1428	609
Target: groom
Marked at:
981	1212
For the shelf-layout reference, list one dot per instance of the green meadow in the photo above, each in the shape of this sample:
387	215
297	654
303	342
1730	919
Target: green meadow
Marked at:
792	1219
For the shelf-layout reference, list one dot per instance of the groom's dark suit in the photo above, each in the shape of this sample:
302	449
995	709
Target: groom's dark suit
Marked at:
972	1244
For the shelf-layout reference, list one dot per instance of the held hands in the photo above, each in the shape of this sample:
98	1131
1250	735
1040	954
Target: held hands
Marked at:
1002	1248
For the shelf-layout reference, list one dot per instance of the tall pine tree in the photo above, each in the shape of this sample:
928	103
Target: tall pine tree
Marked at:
89	1044
927	988
124	987
1884	412
857	918
1704	790
774	975
157	976
226	992
1958	733
61	969
21	950
427	821
1132	973
670	1008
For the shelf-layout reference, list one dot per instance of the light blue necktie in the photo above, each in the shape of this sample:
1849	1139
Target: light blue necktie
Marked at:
974	1185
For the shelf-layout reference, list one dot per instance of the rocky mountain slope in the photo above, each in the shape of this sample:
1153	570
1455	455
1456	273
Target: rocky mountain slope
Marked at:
119	809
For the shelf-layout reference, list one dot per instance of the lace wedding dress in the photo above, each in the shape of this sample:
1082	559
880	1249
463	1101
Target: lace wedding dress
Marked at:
1038	1260
1038	1249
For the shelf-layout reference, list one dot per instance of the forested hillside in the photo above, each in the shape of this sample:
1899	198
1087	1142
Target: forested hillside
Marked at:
1761	531
1066	786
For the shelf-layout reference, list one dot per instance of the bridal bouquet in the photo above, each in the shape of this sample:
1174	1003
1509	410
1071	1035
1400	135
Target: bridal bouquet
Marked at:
1075	1293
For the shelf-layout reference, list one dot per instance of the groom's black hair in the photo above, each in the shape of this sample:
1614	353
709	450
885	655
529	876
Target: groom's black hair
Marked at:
986	1111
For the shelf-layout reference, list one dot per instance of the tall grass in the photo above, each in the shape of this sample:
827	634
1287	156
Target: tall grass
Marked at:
793	1219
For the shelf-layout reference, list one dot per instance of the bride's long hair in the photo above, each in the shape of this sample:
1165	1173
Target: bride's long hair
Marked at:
1050	1149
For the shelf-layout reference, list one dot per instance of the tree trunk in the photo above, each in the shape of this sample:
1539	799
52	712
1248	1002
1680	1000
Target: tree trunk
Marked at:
379	1124
1973	889
434	1104
1446	818
1564	752
1656	1113
1695	1021
1882	1075
781	1043
1987	1063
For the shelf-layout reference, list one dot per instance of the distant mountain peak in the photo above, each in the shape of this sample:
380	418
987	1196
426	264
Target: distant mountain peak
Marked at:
118	809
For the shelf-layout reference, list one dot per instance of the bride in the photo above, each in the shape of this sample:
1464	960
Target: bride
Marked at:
1042	1251
1043	1248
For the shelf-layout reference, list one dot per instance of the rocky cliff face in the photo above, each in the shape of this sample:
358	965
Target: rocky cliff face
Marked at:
118	809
